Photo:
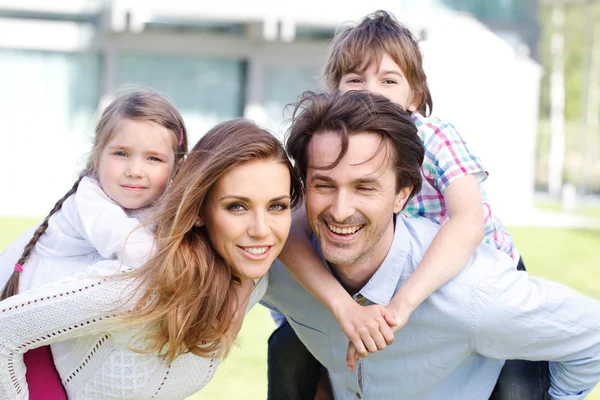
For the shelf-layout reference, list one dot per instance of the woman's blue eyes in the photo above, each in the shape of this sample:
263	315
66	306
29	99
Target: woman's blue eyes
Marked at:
273	207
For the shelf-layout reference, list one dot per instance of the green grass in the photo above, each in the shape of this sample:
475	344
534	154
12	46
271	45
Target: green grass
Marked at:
592	211
567	256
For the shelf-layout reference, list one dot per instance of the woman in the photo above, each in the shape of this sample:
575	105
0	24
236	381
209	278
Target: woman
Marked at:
159	331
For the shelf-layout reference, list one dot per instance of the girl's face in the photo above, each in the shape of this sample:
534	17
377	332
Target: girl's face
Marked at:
248	217
135	166
386	79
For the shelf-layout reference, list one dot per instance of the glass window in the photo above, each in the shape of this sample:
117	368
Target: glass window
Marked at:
48	102
284	86
205	91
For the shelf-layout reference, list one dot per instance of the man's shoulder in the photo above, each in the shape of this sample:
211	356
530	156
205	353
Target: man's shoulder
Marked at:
485	262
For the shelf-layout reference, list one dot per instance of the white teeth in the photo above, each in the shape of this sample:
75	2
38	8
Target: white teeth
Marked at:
344	231
256	250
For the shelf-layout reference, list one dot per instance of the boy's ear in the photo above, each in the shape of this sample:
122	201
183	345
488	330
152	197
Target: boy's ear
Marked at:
401	198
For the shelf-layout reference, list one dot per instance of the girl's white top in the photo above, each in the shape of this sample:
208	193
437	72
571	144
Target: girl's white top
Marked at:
88	228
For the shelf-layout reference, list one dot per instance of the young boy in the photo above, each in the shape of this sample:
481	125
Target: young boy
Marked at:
382	56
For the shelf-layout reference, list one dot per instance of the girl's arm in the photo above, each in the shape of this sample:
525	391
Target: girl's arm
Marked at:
108	228
368	328
447	255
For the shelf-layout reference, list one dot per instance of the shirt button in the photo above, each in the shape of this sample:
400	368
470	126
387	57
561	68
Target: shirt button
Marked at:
358	395
359	296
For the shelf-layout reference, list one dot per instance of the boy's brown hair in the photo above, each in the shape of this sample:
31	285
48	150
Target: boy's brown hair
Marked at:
355	48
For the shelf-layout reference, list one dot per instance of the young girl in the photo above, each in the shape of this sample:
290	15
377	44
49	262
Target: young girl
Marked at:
382	56
140	140
158	332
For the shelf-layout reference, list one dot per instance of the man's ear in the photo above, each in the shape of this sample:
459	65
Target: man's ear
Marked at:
401	198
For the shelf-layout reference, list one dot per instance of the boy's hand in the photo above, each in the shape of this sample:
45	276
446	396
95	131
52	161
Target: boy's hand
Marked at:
369	328
395	321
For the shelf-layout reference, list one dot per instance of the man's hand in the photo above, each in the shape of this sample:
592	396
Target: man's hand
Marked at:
394	322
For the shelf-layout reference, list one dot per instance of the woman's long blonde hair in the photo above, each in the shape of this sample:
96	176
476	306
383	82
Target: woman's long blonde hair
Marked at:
188	291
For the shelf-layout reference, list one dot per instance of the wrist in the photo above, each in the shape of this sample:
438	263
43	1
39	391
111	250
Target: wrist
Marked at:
402	304
339	306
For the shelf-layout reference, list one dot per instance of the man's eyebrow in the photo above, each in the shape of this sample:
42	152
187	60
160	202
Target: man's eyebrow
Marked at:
366	181
358	181
321	177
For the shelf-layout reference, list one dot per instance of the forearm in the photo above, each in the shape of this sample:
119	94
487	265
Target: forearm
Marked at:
447	255
303	263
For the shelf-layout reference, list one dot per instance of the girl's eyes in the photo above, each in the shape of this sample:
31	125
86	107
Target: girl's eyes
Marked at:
152	158
120	154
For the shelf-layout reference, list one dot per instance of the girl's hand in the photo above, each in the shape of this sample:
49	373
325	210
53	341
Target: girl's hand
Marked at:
395	322
369	328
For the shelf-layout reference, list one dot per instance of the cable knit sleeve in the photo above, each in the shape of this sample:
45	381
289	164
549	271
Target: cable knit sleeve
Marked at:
108	228
78	305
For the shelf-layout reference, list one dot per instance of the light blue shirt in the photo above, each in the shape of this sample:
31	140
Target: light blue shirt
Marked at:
454	343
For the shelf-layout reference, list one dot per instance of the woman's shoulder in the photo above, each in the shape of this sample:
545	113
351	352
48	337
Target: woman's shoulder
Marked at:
260	288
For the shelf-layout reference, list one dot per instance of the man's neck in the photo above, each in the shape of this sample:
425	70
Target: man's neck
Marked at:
355	276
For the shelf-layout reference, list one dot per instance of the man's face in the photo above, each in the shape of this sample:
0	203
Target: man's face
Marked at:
350	207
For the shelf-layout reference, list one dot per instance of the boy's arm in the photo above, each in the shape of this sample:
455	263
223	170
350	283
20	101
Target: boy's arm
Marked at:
368	328
450	250
447	255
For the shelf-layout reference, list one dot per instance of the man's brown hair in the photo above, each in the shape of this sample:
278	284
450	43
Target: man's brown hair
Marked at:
356	112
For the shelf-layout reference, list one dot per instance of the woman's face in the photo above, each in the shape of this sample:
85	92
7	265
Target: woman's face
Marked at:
248	217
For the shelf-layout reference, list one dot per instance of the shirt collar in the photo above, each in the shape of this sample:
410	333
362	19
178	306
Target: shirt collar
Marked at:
381	287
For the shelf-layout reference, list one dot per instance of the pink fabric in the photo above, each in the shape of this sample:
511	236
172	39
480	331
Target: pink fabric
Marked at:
42	378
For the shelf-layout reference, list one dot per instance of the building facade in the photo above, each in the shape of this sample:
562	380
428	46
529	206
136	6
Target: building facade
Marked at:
61	61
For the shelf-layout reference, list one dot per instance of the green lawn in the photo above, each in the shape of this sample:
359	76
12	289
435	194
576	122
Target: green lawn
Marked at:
567	256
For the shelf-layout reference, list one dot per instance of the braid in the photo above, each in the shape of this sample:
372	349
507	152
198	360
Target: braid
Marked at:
12	286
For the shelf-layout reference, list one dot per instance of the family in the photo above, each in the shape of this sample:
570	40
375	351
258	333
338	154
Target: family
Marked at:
373	244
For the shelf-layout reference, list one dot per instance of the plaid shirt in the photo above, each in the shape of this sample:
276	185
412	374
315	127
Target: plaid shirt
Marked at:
448	158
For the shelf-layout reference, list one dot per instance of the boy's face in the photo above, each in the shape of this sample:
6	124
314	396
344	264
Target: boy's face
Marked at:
386	79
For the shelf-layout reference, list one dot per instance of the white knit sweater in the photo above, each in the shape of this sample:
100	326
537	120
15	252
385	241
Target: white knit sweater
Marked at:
78	312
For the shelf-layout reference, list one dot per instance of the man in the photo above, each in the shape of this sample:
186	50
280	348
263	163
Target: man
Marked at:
359	157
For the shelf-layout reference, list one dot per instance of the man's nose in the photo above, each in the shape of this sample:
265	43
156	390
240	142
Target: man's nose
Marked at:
342	207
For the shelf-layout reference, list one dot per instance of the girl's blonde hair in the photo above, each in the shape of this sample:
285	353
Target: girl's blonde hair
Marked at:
188	291
141	105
